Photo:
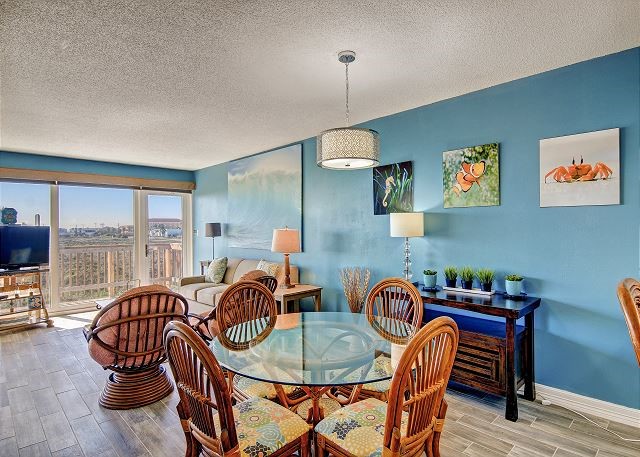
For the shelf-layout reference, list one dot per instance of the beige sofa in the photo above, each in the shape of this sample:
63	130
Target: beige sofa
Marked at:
194	288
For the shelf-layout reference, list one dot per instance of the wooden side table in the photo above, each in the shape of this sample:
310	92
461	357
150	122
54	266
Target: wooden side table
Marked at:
295	294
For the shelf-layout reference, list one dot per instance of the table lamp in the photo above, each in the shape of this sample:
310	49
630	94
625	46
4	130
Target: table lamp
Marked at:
407	225
286	241
212	230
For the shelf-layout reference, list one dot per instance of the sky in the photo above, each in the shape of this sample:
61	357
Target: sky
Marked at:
82	206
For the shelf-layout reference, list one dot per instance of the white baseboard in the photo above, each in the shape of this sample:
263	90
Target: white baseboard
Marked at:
588	405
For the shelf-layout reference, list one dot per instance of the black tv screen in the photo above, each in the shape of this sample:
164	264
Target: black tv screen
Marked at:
23	246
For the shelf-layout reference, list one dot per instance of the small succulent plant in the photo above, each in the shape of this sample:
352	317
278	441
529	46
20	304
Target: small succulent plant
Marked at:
513	277
430	272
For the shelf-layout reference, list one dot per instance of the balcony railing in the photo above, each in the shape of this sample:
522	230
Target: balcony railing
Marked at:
97	271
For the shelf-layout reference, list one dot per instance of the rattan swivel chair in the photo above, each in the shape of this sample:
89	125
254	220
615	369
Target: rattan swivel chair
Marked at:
126	337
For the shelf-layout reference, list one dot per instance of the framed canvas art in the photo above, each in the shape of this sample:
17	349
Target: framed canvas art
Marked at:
264	193
471	176
393	188
582	169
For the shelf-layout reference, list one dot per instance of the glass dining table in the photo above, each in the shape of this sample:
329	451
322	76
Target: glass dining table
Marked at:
315	351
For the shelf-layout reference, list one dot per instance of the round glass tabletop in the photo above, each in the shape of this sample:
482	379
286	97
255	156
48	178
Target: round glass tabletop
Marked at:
313	349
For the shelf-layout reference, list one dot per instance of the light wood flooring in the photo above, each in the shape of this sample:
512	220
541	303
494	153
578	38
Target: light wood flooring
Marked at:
48	406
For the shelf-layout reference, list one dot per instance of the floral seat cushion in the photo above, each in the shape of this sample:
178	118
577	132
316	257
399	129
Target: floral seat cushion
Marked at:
381	367
252	388
359	428
328	405
263	427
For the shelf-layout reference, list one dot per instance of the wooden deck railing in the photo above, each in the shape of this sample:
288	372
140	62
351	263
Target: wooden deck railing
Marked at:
105	271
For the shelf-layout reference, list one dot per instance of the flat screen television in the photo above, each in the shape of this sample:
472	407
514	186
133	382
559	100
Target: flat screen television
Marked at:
23	246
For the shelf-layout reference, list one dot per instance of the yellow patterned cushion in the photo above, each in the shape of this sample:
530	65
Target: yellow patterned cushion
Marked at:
381	367
252	388
379	386
328	405
359	428
263	427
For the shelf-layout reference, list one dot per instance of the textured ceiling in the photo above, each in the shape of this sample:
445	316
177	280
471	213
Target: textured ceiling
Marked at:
186	84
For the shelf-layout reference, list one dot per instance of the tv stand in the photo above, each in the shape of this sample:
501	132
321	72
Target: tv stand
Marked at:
22	302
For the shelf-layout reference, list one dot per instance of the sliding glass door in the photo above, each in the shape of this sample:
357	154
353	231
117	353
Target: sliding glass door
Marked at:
105	240
164	244
96	252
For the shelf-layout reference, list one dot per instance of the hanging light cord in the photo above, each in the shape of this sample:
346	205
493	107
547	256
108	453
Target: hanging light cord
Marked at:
346	76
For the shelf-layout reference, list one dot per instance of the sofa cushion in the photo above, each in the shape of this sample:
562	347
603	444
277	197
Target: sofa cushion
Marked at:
210	295
232	264
216	270
244	267
190	290
271	268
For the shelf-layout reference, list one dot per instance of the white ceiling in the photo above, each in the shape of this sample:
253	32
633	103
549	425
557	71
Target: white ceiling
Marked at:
185	84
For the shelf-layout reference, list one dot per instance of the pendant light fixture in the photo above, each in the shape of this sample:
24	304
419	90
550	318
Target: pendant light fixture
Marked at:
348	148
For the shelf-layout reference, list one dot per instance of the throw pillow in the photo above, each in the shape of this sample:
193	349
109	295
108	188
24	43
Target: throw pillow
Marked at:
216	270
271	268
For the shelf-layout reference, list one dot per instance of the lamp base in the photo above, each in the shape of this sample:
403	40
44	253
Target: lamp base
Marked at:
287	274
407	273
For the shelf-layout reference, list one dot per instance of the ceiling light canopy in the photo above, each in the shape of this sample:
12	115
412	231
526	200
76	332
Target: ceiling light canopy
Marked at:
348	148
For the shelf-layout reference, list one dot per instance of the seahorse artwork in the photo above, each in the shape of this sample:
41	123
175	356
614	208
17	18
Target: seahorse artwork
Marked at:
469	174
387	190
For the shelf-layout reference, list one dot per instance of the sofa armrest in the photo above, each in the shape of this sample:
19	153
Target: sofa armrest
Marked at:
191	280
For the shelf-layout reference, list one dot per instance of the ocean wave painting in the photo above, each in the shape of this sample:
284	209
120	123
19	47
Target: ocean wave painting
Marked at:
264	193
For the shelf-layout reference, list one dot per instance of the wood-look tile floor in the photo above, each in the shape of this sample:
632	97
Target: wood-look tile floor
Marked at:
48	407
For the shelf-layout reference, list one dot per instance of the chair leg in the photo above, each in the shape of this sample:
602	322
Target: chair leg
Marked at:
442	412
428	448
191	450
133	390
319	448
304	445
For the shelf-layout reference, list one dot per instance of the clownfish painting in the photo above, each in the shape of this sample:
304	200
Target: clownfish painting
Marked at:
469	174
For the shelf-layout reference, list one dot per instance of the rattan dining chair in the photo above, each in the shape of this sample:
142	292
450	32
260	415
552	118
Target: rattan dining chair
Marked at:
394	309
409	423
205	323
212	426
246	312
629	296
126	337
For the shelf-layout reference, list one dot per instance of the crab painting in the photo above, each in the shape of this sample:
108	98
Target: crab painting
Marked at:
580	172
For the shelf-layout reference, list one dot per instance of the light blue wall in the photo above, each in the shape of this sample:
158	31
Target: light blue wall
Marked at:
40	162
572	257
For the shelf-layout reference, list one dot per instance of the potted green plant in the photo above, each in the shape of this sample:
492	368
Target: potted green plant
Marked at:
466	275
485	277
450	276
513	284
430	277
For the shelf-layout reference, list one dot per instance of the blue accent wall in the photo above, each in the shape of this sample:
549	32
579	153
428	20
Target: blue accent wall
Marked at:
572	257
41	162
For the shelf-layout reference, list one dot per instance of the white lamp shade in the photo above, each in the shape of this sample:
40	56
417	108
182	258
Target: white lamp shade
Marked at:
348	148
285	240
407	224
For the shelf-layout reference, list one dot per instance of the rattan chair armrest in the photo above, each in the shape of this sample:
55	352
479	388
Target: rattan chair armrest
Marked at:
87	330
192	280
